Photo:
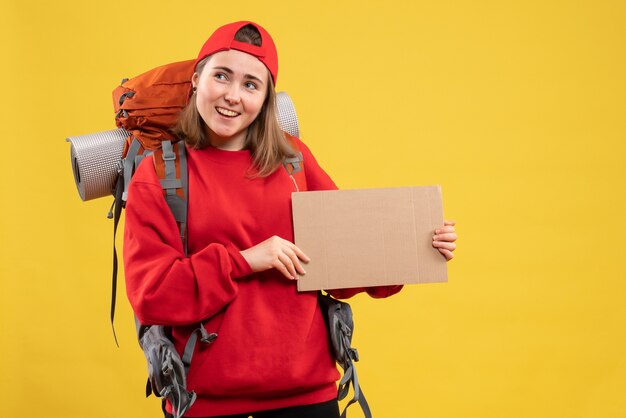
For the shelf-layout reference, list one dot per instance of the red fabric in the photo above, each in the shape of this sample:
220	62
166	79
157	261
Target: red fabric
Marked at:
272	350
223	39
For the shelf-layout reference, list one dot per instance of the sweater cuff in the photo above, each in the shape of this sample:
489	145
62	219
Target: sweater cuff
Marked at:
383	291
240	266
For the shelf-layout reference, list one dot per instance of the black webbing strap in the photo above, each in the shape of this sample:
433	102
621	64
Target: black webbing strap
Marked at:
121	193
116	219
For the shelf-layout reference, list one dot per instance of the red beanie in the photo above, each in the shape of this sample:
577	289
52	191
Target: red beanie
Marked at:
223	39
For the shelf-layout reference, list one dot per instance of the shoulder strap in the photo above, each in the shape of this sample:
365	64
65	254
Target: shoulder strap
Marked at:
170	163
295	165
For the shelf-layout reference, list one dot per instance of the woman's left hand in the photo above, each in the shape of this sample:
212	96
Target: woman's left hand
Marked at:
444	238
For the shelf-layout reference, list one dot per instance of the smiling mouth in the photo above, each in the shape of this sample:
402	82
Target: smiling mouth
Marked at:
226	112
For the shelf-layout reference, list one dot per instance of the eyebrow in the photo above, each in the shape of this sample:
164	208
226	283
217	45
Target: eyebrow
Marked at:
231	72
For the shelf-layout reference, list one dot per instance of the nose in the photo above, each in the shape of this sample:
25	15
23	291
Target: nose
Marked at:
233	95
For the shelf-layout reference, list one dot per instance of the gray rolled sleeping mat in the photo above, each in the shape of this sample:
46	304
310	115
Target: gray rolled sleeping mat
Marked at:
96	158
95	161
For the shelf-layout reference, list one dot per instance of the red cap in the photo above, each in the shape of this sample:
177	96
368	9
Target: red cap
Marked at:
223	39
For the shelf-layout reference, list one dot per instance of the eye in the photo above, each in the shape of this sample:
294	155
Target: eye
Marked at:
220	76
250	85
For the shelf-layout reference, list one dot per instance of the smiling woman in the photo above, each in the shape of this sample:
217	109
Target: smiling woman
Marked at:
272	357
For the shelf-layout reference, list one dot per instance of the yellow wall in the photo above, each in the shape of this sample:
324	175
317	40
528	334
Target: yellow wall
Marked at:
516	108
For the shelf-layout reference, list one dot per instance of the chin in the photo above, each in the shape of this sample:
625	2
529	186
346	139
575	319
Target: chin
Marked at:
226	136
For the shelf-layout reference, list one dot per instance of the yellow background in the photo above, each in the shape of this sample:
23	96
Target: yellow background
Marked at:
516	108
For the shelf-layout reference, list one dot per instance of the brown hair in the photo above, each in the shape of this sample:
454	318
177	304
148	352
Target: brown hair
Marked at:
264	138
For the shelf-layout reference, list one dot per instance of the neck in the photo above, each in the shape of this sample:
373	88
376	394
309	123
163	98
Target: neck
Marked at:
231	143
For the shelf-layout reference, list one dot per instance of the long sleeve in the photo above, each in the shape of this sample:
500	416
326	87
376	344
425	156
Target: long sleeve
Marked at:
317	179
271	338
163	285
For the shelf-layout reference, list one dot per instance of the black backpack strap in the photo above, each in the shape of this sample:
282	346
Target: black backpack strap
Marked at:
116	219
126	169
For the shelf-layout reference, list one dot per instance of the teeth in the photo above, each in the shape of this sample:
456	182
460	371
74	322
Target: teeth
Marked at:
226	112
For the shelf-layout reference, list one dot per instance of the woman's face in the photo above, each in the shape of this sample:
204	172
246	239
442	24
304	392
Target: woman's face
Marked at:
231	90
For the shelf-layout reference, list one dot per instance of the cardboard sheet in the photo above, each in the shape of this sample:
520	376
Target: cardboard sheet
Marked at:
369	237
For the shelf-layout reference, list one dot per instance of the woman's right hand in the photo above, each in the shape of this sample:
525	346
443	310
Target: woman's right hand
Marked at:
277	253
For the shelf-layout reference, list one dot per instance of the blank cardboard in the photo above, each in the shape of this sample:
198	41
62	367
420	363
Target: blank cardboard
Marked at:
369	237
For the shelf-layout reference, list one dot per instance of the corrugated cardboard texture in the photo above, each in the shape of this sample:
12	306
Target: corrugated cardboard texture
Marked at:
369	237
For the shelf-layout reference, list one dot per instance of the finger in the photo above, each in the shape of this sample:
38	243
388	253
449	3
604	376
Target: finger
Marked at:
281	267
299	253
444	245
447	254
294	260
290	245
451	237
286	261
451	223
444	229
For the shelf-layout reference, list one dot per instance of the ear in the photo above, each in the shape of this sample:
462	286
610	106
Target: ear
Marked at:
194	79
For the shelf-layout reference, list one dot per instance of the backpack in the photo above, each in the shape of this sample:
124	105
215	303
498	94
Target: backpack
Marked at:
338	318
146	107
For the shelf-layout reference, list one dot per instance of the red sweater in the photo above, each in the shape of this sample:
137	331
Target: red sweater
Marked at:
272	350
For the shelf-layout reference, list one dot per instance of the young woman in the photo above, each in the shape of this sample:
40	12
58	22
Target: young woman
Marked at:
272	357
